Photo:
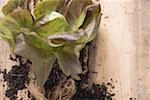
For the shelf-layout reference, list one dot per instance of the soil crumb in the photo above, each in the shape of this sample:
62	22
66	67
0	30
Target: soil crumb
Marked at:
53	80
58	85
57	80
96	91
17	77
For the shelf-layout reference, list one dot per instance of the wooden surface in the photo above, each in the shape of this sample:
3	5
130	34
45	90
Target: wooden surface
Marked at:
122	49
6	63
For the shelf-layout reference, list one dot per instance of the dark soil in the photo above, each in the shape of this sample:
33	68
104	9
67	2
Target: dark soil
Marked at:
84	92
17	79
96	92
55	77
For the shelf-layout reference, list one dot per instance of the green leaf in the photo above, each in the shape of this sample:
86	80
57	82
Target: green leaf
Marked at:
12	5
69	63
61	6
68	36
51	24
45	7
6	34
41	43
22	17
11	25
69	39
78	48
92	22
42	60
36	41
75	12
42	68
90	25
92	29
57	43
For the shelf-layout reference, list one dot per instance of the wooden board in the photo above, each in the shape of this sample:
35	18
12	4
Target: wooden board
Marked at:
122	49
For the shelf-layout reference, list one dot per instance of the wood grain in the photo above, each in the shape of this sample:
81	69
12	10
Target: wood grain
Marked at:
122	49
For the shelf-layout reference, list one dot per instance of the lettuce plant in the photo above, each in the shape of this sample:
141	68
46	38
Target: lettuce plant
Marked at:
45	30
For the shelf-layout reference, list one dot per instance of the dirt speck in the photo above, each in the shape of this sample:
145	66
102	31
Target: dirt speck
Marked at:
84	90
17	77
55	87
106	17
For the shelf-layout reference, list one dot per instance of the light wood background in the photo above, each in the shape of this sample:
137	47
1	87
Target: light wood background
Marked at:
122	49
